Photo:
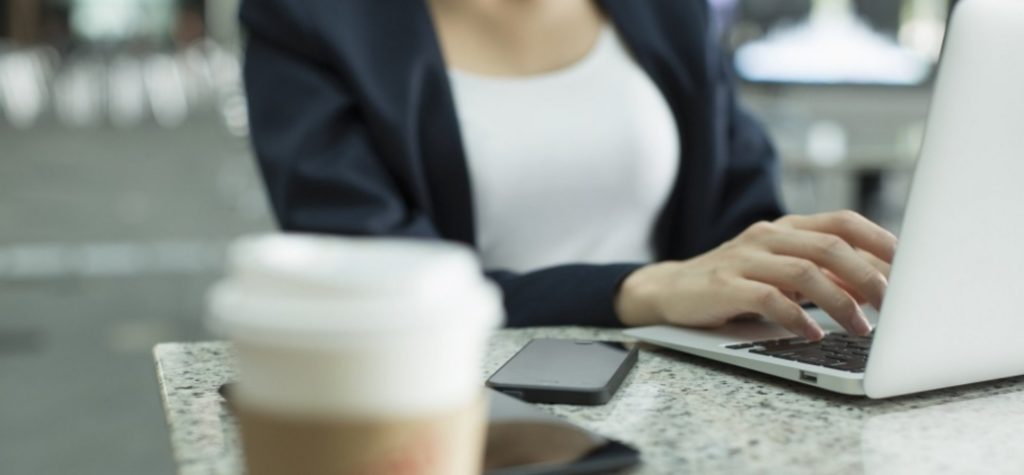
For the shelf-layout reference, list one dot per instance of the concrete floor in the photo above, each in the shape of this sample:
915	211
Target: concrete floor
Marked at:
108	240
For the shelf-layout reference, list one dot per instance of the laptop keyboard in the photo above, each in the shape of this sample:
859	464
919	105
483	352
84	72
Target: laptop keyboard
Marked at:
837	351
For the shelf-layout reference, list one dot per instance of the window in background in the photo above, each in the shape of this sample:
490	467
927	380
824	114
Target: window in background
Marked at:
119	20
723	15
4	21
886	42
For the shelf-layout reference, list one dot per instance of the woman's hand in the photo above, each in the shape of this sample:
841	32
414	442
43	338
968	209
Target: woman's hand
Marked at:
834	260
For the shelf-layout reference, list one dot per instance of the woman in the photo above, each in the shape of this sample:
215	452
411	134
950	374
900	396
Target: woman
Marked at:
592	152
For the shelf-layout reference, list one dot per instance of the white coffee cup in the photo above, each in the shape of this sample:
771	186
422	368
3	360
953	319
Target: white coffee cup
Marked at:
339	336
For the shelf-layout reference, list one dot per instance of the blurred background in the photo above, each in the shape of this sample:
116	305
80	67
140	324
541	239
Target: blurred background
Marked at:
125	170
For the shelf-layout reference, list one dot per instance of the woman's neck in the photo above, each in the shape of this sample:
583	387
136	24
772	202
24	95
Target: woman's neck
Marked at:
509	6
515	37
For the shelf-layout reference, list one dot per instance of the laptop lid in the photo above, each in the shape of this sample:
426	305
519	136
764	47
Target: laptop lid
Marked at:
954	311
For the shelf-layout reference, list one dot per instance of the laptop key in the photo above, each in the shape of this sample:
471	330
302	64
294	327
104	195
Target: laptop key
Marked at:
837	350
791	348
817	360
785	356
851	366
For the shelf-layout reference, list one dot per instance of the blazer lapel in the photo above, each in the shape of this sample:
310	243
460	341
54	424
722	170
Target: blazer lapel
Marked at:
668	42
444	158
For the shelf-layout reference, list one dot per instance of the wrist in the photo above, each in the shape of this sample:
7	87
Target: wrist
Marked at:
635	302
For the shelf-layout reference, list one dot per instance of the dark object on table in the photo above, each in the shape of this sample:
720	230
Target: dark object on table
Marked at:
524	440
565	371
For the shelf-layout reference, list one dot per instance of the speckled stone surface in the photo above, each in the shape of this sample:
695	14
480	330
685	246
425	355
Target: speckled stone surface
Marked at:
687	415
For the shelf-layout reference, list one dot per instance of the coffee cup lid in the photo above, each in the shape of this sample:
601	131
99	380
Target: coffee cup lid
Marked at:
312	287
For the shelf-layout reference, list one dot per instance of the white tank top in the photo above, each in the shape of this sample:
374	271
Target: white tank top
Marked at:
572	166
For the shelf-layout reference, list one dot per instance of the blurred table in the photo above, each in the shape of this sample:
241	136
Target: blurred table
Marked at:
686	415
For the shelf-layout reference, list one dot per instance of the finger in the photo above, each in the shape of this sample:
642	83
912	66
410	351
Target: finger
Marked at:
801	275
855	229
884	267
846	287
768	301
855	272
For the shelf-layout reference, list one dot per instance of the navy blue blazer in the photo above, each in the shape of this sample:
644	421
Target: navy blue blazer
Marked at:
356	133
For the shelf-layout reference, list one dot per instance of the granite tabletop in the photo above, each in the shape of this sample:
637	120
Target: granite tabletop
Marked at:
686	415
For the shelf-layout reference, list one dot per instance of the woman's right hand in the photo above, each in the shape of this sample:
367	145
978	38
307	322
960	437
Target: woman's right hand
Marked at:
835	260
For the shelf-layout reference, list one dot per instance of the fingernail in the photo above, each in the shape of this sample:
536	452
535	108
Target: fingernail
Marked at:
883	287
861	324
814	332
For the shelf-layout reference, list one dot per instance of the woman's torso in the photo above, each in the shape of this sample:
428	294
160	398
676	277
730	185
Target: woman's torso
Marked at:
572	165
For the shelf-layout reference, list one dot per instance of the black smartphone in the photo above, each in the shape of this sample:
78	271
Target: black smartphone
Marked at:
523	439
582	372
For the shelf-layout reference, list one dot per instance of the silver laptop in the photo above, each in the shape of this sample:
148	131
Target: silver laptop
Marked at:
954	310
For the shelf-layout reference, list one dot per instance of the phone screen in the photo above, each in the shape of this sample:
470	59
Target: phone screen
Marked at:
525	440
549	367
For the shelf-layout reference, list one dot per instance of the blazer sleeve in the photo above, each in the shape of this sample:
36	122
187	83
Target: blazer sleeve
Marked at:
323	172
749	191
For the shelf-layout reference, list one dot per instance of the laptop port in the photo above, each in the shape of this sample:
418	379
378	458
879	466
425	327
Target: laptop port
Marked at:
808	377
